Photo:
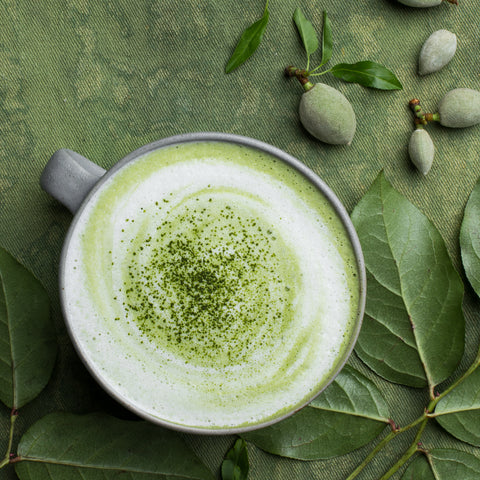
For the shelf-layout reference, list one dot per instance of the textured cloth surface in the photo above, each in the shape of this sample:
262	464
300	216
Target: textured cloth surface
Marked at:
106	77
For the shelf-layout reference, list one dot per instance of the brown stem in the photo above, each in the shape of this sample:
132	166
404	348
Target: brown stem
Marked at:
301	75
417	110
393	425
292	71
432	117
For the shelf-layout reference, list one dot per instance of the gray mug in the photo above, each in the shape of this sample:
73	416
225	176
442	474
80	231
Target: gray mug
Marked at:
77	183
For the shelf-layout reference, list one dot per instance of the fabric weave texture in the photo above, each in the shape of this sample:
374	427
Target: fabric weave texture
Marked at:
106	77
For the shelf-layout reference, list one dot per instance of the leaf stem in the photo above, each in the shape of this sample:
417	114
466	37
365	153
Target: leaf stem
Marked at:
404	459
414	448
396	431
372	454
319	73
6	460
432	117
431	390
309	72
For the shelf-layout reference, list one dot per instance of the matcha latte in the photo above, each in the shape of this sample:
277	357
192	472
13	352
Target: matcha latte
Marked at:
211	286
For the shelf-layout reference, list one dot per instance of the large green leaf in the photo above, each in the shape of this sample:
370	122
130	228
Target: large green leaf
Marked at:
451	464
414	330
459	411
27	338
444	464
470	239
348	414
63	446
419	469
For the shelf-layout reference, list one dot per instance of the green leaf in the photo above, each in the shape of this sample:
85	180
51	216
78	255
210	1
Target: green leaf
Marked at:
27	347
419	469
459	411
64	446
347	415
368	74
447	464
306	31
327	40
248	43
451	464
413	332
235	466
470	239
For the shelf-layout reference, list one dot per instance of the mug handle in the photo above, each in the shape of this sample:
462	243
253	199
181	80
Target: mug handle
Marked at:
68	177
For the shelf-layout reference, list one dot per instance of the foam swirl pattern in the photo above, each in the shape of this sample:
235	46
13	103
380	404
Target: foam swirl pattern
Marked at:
211	285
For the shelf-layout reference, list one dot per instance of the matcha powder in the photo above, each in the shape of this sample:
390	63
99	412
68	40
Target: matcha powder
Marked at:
211	283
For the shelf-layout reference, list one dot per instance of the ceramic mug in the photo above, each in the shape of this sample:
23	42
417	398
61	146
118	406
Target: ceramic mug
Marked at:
194	285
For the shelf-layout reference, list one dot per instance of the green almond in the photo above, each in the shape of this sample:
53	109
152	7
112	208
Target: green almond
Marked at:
421	150
437	51
421	3
327	115
460	108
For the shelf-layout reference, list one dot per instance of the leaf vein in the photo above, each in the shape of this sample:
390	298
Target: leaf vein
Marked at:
47	462
7	323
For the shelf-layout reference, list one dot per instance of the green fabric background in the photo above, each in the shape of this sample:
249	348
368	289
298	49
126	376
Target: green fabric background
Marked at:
105	77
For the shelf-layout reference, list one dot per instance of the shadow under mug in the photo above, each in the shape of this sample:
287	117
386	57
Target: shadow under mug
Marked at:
73	180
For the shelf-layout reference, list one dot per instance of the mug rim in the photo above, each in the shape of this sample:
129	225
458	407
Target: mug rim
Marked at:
338	207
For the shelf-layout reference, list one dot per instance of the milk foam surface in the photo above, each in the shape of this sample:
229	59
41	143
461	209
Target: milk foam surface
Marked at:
211	285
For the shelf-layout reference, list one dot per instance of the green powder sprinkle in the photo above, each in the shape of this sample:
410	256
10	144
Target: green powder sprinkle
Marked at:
207	287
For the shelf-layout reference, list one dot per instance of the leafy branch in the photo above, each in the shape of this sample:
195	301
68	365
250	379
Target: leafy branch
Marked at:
415	446
366	73
413	334
382	444
379	214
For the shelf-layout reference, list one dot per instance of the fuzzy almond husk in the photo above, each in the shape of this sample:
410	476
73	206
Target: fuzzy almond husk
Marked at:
460	108
421	150
437	51
327	115
421	3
